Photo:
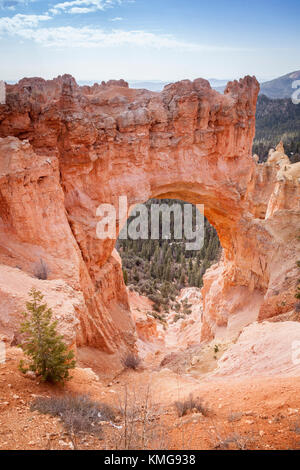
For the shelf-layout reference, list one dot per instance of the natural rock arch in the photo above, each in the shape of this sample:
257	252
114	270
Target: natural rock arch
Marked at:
76	147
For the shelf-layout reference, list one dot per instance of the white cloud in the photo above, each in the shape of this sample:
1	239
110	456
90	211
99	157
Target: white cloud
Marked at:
117	18
68	36
79	10
29	27
82	6
18	23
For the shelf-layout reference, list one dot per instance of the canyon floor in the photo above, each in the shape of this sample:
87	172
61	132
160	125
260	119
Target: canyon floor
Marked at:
238	411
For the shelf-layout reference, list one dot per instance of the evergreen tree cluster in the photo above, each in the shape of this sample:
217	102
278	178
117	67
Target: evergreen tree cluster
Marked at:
160	268
277	119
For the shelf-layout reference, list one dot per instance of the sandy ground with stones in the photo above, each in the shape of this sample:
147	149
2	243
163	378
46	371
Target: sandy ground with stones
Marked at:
240	411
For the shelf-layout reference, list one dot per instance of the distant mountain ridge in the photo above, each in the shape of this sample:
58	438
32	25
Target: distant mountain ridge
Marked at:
280	87
158	85
152	85
277	88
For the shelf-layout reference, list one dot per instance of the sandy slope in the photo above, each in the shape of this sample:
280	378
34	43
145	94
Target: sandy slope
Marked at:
262	412
255	409
250	387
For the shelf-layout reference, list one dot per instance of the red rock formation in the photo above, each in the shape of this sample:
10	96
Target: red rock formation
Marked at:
34	227
263	349
187	142
65	302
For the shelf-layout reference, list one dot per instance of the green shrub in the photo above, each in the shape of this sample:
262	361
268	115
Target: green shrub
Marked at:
47	355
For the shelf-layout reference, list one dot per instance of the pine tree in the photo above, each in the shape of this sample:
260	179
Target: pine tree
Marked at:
182	260
125	276
167	273
47	354
182	278
199	280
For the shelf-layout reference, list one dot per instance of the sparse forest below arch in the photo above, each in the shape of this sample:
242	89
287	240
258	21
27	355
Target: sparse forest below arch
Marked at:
160	268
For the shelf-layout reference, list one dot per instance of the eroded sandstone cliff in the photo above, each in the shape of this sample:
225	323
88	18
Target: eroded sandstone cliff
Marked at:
65	149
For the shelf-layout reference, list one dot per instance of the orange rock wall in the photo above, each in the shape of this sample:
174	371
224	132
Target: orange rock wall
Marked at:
187	142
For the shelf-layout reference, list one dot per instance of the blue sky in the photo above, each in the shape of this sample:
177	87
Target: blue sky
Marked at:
149	39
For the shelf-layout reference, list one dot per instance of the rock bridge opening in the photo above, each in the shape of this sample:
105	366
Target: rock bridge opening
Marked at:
165	247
